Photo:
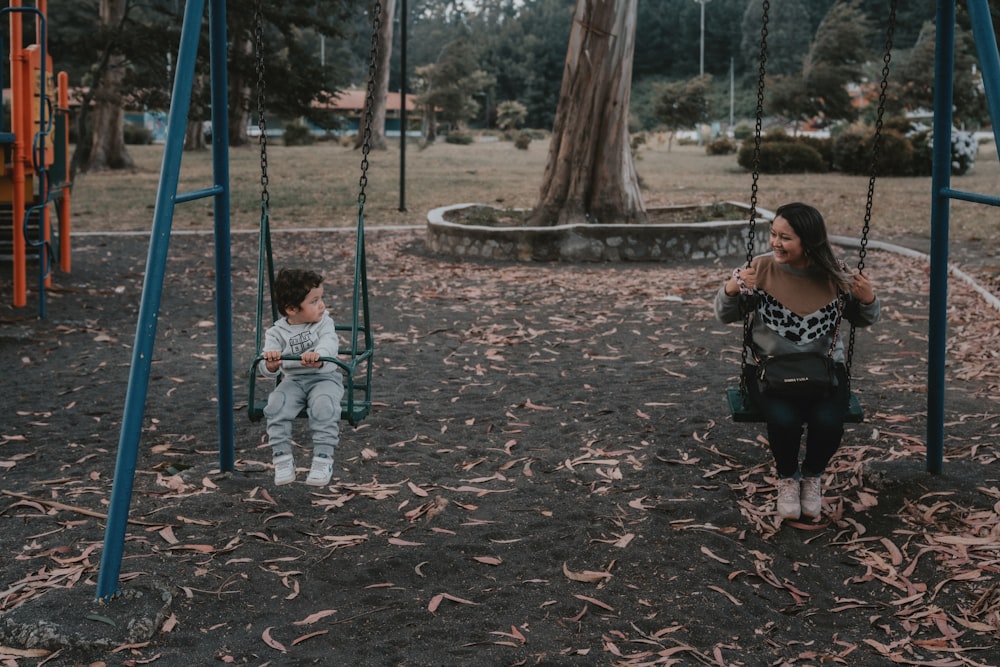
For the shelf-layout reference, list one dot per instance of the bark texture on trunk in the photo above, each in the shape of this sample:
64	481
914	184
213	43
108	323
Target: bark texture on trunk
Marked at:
381	90
107	148
590	175
243	94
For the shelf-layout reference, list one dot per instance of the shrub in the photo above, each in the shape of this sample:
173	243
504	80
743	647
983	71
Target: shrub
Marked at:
137	135
895	156
964	147
720	146
776	134
923	153
297	134
523	140
462	138
901	124
963	151
822	146
852	152
782	157
743	131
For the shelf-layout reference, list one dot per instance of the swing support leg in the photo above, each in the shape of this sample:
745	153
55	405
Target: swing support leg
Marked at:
152	288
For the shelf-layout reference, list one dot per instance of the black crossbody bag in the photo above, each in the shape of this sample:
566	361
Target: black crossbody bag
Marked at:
801	374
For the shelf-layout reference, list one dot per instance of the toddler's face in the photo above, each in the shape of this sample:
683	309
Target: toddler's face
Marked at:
311	309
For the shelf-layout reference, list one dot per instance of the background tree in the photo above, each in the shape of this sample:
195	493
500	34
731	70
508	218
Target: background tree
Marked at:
523	46
590	175
380	90
450	86
837	57
788	36
317	48
683	105
510	116
914	89
428	120
297	74
107	146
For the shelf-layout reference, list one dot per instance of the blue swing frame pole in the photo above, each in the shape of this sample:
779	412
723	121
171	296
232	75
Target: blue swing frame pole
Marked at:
223	252
944	66
989	60
152	289
942	193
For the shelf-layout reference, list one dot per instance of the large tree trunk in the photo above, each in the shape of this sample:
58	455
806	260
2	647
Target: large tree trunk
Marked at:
381	89
590	175
240	90
107	149
428	124
194	132
194	136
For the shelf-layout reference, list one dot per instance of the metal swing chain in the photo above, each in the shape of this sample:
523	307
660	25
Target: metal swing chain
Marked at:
873	171
369	104
265	195
758	127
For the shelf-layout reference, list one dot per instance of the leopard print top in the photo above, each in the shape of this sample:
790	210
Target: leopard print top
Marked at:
794	327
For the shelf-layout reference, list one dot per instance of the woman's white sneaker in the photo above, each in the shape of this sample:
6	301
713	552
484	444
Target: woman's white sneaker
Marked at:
812	496
788	498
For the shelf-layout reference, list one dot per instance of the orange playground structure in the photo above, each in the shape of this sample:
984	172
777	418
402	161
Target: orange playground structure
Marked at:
34	171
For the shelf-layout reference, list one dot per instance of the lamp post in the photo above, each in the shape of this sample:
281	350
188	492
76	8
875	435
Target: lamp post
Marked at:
701	62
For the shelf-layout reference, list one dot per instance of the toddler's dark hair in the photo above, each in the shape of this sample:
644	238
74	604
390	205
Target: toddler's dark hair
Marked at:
292	286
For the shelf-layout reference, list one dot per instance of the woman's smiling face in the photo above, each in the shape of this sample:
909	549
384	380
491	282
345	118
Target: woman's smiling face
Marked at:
787	245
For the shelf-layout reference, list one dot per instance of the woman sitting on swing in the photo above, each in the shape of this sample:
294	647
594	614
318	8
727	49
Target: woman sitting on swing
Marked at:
797	295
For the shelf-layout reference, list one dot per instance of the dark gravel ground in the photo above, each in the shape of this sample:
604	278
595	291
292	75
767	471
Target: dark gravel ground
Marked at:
550	476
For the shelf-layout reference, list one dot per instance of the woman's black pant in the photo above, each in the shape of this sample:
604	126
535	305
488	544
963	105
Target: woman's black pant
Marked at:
822	419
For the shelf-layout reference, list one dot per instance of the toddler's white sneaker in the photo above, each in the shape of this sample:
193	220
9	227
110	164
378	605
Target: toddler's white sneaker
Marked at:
321	470
284	469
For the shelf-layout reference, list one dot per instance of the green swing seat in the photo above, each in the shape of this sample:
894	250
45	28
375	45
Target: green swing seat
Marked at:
356	403
743	409
354	359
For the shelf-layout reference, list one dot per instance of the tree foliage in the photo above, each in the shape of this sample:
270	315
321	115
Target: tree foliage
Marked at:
524	47
324	46
683	104
451	84
788	35
915	90
148	37
511	115
836	57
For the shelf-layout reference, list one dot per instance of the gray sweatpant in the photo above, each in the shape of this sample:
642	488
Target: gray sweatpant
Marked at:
320	393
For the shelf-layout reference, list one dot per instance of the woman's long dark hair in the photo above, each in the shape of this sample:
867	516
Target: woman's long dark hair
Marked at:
808	224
